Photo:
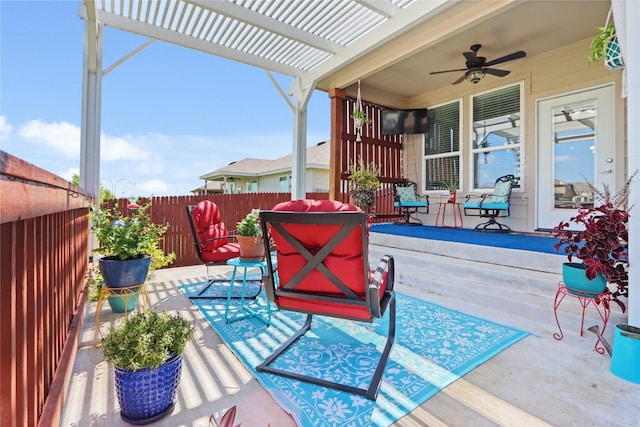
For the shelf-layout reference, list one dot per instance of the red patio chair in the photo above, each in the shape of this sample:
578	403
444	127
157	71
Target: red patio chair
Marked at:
212	241
323	269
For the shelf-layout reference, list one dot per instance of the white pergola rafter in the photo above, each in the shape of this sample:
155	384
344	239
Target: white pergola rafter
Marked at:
290	37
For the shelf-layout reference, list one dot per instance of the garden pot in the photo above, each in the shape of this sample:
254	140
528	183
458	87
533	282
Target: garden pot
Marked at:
625	360
147	395
452	196
613	59
124	274
251	248
124	303
574	276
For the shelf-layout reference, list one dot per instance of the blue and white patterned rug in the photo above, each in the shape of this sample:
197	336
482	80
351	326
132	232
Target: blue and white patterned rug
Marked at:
434	346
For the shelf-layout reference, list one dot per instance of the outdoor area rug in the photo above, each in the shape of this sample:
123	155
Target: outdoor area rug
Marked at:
513	240
434	346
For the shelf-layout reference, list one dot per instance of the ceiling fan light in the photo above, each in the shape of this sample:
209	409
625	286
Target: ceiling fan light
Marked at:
475	76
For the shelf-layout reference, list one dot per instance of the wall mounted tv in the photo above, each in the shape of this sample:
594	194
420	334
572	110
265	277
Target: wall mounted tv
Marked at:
398	122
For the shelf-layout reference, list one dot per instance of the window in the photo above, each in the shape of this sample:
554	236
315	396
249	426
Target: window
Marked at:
496	135
285	184
252	186
442	147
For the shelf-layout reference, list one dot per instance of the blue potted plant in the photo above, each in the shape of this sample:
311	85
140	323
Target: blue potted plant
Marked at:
131	248
146	350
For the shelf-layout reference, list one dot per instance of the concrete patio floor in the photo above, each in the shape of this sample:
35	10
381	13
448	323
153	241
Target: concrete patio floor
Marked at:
538	381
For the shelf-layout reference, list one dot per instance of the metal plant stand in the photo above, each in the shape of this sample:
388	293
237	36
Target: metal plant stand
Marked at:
601	301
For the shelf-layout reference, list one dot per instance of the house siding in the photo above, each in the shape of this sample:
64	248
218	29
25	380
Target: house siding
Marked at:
559	71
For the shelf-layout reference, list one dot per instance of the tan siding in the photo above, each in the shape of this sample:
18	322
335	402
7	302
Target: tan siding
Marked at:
553	73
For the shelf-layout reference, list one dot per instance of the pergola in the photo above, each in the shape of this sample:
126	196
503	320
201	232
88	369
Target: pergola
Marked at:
313	41
303	39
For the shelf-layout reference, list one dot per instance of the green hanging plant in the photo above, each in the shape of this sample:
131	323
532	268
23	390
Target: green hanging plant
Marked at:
598	48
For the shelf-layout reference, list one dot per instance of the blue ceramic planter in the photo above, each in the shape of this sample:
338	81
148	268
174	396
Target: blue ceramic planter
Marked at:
574	276
124	274
147	395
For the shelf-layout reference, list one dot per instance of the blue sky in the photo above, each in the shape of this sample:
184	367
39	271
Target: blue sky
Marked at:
169	114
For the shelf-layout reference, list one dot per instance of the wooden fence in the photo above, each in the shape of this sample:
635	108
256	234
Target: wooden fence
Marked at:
233	207
44	227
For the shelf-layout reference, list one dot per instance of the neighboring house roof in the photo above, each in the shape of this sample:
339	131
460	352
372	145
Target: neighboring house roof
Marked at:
210	186
317	157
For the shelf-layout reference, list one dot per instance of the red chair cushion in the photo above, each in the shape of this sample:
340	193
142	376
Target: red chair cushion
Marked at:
222	253
206	219
345	260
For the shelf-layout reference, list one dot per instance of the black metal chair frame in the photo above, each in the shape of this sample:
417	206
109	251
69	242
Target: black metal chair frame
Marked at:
349	221
211	281
492	224
409	212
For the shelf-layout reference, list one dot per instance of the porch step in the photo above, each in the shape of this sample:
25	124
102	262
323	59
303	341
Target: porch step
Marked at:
486	282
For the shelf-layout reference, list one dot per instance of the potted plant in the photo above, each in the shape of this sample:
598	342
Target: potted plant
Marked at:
249	235
605	46
453	189
363	181
601	243
146	350
131	249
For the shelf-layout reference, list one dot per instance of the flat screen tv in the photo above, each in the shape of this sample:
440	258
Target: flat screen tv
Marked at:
398	122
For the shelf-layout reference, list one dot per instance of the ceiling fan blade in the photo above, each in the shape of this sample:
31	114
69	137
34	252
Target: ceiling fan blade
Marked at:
515	55
470	57
460	80
448	71
495	72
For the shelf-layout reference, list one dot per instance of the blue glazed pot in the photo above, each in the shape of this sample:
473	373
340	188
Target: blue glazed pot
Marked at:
574	276
123	304
121	274
147	395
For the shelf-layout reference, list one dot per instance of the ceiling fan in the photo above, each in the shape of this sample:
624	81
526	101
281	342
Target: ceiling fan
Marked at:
477	66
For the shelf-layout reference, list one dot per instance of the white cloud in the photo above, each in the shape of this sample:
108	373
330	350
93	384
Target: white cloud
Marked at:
116	148
5	128
564	158
152	186
62	136
68	174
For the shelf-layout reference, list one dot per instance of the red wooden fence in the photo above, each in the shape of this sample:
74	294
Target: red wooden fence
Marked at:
233	207
44	227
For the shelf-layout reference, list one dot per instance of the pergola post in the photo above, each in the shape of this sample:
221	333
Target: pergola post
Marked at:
337	97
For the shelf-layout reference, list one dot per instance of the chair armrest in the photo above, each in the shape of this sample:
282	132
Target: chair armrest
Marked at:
199	242
385	265
481	196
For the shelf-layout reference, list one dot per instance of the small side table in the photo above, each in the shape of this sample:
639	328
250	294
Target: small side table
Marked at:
601	301
442	212
126	293
250	312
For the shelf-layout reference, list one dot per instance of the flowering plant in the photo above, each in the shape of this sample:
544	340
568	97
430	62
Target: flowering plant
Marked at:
132	236
603	243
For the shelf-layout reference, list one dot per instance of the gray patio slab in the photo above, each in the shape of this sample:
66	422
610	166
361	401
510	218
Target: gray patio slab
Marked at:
537	381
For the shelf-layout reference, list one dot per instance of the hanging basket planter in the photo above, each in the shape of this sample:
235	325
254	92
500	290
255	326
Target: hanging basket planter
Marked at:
359	116
613	59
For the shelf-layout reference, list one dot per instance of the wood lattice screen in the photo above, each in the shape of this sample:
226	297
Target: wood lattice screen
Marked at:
386	151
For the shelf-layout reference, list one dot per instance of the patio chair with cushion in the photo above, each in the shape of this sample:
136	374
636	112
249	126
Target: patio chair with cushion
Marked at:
492	205
407	201
212	241
323	269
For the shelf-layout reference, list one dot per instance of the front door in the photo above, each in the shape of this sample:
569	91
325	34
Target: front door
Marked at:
575	147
